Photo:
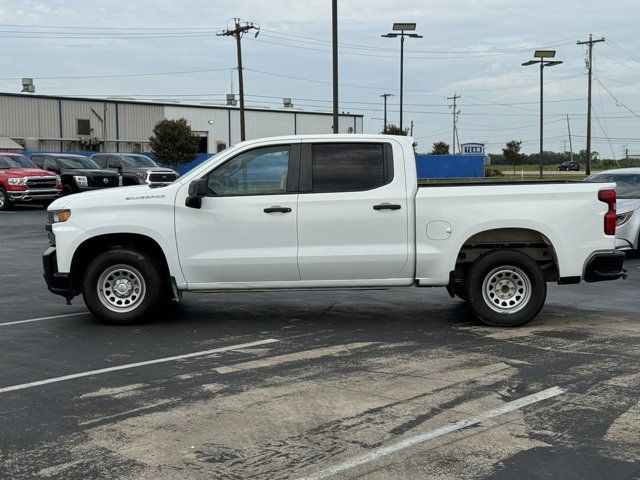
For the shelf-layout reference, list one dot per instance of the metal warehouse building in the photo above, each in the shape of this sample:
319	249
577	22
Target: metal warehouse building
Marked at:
52	123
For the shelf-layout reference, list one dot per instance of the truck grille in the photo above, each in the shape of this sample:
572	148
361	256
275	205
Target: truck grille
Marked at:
44	183
161	177
103	181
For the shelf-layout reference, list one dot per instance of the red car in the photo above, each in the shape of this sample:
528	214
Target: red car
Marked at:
22	182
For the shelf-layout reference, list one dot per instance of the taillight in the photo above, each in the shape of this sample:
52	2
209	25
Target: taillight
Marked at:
609	197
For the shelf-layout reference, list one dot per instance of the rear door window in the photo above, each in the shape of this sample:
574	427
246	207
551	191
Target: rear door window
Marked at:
349	167
38	160
114	162
50	165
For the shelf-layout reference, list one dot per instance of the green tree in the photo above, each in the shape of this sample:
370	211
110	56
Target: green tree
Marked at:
440	148
511	153
173	142
391	129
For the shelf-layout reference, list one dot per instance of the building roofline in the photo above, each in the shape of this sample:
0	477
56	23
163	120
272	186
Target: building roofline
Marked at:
170	104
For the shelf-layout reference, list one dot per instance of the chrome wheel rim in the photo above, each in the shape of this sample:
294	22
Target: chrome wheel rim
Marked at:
2	199
506	289
121	288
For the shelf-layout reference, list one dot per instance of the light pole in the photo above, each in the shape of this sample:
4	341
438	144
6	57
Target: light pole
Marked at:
402	27
334	44
541	55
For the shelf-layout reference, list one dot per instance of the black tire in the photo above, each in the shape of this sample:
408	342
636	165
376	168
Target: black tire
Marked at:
505	288
110	268
5	203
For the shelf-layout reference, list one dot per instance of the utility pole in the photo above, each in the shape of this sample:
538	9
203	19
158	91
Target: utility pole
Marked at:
334	32
238	31
589	42
455	121
104	125
570	144
411	130
385	96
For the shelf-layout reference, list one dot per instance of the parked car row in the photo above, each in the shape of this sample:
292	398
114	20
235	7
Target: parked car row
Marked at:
45	176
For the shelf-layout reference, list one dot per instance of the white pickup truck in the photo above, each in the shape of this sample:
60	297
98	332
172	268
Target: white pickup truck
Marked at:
329	211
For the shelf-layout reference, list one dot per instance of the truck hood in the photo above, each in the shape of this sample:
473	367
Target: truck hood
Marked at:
624	205
27	172
113	196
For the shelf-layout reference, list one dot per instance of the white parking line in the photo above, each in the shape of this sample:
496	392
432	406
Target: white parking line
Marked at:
137	364
380	452
42	318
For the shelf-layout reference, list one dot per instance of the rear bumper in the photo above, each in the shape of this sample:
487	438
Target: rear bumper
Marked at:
57	283
605	266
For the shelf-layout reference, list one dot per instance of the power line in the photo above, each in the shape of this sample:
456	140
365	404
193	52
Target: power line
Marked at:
624	51
125	75
618	102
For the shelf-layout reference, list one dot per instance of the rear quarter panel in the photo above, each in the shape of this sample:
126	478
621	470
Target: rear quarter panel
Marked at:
570	216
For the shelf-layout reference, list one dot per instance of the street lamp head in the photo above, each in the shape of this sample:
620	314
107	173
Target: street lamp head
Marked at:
530	62
544	53
404	26
390	35
414	35
552	64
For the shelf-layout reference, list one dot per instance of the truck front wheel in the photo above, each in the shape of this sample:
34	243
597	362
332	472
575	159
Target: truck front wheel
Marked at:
505	288
122	286
5	203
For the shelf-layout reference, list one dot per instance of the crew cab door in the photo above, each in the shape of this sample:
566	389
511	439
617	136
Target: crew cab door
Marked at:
352	211
245	231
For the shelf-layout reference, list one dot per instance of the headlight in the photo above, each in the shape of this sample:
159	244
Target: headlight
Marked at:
17	181
141	175
58	182
59	216
623	218
81	181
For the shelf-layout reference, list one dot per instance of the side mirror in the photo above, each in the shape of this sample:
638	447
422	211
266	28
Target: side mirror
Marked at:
197	189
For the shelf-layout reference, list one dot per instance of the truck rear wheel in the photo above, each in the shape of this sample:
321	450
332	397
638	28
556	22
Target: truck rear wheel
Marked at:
505	288
122	286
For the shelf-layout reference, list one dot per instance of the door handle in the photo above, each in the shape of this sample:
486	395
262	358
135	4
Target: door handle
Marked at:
277	209
387	206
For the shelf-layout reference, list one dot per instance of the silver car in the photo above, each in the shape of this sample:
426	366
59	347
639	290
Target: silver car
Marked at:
628	204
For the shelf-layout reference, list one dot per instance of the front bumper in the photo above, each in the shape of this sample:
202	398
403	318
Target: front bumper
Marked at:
605	266
33	195
57	283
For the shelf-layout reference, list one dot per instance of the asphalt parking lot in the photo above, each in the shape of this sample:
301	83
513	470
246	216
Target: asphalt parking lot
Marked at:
380	384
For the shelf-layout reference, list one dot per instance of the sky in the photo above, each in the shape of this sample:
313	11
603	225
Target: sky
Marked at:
474	48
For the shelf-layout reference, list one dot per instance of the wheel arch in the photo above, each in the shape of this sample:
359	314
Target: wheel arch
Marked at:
94	245
529	241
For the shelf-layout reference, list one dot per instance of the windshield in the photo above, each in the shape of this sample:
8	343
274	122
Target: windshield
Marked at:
628	184
78	162
24	162
10	162
138	161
